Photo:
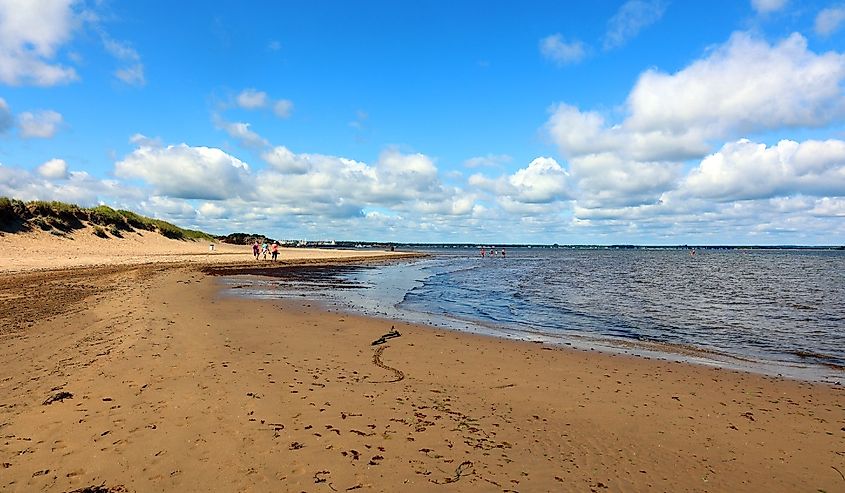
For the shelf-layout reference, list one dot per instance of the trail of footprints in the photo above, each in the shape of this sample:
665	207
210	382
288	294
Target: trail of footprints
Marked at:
291	429
343	443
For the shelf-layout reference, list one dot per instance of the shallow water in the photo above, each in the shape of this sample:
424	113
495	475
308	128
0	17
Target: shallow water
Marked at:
775	311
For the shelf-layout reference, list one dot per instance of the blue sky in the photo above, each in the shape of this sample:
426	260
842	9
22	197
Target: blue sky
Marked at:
646	121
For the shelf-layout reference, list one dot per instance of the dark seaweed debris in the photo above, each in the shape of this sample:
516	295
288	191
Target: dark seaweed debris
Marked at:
59	396
101	488
390	335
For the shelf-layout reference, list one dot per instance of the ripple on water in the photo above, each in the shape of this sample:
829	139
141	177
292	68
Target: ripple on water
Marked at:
784	308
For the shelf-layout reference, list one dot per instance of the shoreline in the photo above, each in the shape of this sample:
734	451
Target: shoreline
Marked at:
676	353
327	290
177	387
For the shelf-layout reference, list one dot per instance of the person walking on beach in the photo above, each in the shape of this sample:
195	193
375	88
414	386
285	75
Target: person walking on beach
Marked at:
265	249
275	252
255	249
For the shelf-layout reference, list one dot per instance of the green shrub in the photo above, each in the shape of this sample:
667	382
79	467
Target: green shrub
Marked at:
168	230
7	210
193	234
58	223
64	210
39	208
20	208
115	231
13	215
42	223
106	216
137	221
98	231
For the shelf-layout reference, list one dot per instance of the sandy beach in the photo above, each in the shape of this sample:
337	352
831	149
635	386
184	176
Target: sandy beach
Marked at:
42	251
125	367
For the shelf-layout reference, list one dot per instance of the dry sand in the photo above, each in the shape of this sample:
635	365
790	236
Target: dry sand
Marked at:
177	388
40	250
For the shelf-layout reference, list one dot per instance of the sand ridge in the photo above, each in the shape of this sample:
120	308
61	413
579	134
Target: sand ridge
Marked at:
37	250
175	388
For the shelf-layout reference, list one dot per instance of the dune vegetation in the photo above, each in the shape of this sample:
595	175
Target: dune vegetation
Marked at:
61	218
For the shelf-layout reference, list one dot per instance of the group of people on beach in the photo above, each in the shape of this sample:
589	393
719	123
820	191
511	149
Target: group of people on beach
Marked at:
264	249
492	252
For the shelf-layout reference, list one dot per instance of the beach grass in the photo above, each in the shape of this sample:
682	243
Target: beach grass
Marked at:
54	216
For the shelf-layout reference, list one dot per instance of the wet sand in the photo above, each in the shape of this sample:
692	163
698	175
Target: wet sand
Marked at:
144	377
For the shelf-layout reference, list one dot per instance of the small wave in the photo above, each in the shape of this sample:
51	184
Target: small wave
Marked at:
802	307
820	358
724	306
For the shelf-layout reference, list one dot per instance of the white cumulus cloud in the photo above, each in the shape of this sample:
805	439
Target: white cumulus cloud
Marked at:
299	185
31	33
183	171
40	124
829	207
54	169
745	170
743	86
343	187
212	210
172	208
608	179
543	181
77	187
282	159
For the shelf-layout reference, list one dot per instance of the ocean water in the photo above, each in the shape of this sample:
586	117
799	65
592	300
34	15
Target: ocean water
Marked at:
771	311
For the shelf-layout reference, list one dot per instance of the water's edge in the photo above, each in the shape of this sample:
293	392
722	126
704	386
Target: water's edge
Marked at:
382	292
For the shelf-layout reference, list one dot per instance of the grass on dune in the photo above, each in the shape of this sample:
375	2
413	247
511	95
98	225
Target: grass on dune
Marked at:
61	217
